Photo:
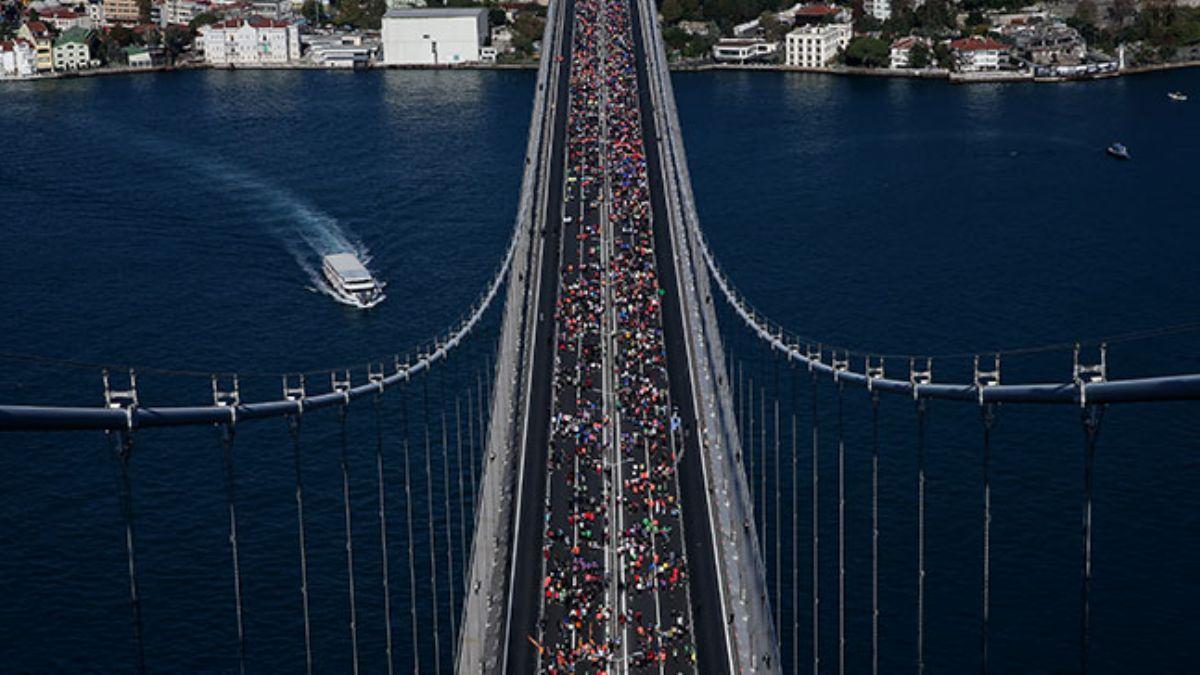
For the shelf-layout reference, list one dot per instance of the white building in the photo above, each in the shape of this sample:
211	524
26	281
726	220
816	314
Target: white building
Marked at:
248	42
902	51
976	53
880	9
17	59
816	46
73	50
440	36
64	19
339	51
737	50
180	12
279	10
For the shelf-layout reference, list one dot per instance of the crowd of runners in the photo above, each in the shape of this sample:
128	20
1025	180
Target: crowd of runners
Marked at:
615	579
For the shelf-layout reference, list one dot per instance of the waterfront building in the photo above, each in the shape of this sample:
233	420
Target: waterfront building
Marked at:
121	11
438	36
406	4
977	54
815	15
738	50
73	50
816	46
38	34
1047	43
250	41
17	59
339	51
145	57
62	18
902	49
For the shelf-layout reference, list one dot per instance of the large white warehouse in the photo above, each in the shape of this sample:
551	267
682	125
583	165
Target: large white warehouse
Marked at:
435	36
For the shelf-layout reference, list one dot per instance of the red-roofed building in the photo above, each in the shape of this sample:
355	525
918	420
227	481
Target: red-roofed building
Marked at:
41	37
901	51
978	53
810	15
64	19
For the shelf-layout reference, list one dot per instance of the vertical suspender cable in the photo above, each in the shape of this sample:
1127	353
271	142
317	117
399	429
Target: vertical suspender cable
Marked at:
1092	416
921	535
383	546
841	529
123	449
874	531
741	402
231	502
778	523
989	418
749	453
776	519
762	471
480	412
293	422
451	579
474	484
412	565
816	528
437	649
460	502
349	541
795	545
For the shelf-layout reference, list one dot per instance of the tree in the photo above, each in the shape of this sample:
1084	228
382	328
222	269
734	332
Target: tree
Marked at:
175	40
1085	12
672	11
691	9
144	10
918	56
1122	10
773	29
314	12
203	19
527	29
943	56
497	17
868	52
867	24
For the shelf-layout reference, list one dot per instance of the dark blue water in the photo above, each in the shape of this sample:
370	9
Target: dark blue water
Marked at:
174	221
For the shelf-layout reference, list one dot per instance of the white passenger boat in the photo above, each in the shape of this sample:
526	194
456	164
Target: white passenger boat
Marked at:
1177	96
351	281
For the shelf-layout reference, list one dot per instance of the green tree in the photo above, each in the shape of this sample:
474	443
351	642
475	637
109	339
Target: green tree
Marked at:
676	38
691	10
314	12
868	52
144	10
497	17
918	56
527	29
203	19
175	40
672	11
942	56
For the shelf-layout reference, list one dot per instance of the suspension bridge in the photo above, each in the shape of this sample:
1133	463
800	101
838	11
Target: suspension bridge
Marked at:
616	492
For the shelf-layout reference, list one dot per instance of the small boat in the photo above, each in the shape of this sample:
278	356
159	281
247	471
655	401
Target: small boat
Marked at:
1177	96
350	280
1119	151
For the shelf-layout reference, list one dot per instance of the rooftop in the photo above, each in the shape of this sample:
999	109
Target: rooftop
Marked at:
74	35
348	266
435	13
976	43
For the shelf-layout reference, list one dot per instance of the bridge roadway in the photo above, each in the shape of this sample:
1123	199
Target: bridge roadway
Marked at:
574	483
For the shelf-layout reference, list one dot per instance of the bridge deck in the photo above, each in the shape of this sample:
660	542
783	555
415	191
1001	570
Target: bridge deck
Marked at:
603	575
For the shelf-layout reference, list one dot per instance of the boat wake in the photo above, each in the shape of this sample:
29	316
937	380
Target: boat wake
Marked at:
307	233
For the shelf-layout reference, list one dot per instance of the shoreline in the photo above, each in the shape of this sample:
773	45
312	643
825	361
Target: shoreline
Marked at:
990	77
